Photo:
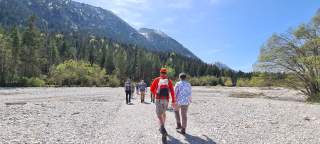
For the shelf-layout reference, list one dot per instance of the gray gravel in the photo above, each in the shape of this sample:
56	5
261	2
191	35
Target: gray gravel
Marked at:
100	115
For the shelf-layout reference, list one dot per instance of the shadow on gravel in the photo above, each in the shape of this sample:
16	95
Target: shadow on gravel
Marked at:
170	109
191	139
15	103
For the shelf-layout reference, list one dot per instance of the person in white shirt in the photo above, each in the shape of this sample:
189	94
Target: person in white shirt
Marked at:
183	100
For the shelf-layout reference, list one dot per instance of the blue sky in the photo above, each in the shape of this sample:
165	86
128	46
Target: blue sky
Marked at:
228	31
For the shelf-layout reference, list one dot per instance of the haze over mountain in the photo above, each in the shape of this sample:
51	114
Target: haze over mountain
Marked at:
71	16
163	42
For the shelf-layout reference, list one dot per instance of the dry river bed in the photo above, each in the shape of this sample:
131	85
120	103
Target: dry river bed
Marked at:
219	115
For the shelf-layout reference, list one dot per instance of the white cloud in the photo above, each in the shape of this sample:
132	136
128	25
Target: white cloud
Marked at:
130	10
134	11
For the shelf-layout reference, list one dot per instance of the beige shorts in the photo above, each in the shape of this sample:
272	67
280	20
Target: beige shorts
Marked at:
161	106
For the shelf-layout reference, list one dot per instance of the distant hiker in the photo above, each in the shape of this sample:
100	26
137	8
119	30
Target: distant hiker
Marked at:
142	89
152	97
128	89
183	99
161	87
137	89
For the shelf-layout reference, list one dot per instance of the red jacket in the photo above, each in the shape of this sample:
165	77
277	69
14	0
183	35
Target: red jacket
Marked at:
154	87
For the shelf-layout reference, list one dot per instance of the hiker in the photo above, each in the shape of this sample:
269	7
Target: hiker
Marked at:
128	90
183	99
142	89
137	89
152	97
161	87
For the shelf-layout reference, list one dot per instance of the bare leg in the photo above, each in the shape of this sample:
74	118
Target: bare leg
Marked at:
161	119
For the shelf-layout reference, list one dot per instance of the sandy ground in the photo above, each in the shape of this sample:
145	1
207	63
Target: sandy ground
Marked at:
99	115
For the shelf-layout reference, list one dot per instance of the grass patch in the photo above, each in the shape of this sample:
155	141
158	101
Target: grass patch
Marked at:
246	95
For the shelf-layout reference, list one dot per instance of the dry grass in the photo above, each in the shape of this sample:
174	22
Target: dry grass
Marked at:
246	95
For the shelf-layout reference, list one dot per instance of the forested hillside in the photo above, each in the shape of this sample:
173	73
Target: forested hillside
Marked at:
70	16
29	55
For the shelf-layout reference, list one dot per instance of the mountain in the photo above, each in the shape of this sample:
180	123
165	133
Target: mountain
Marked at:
222	66
163	42
71	16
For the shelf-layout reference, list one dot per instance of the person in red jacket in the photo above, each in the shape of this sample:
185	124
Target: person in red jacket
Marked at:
161	88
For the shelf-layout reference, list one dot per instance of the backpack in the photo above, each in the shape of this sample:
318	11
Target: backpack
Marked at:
163	88
127	86
143	86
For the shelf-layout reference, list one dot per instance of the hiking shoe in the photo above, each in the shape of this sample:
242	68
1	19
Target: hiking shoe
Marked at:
182	131
163	131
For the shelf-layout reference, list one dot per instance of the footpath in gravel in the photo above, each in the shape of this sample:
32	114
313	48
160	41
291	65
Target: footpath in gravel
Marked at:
99	115
83	115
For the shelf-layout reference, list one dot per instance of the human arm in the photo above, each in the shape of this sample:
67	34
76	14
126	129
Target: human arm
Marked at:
173	99
176	89
153	86
190	93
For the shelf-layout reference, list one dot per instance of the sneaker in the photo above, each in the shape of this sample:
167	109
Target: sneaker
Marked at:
182	131
163	131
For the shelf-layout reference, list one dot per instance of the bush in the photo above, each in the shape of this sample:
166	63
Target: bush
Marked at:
265	80
204	81
32	82
113	81
228	82
314	98
77	73
242	82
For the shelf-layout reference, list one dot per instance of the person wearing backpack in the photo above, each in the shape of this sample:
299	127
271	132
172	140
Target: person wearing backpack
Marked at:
161	88
142	89
183	97
128	90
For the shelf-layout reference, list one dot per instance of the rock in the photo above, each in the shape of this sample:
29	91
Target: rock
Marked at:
307	118
274	122
76	113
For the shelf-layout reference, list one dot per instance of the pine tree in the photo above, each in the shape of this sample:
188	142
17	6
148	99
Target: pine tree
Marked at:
120	61
5	59
16	50
30	51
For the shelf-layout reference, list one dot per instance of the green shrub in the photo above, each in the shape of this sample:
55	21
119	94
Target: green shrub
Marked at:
228	82
113	81
78	73
314	98
32	82
264	80
242	82
204	81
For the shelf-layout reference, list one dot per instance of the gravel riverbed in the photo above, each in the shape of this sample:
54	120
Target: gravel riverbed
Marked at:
219	115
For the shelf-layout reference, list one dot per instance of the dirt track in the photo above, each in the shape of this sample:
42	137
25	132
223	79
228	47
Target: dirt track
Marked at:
100	115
